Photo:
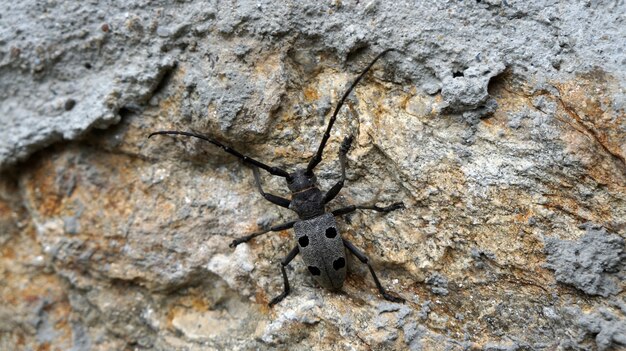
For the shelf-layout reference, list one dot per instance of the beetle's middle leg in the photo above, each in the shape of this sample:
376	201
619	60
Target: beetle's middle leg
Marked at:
343	151
352	208
292	254
276	228
365	260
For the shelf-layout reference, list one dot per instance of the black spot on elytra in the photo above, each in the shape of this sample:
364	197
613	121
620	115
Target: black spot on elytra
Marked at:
314	270
339	263
304	241
331	233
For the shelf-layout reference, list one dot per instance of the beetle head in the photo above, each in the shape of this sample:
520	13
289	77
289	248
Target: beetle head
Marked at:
301	180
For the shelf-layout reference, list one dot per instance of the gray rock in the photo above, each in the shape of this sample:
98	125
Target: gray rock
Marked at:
593	264
438	284
608	328
79	59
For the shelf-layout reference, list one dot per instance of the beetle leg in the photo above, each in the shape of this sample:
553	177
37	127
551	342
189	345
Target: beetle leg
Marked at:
343	151
283	264
276	228
352	208
365	260
277	200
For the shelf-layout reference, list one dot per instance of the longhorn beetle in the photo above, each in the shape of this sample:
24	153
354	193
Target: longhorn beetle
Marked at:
321	246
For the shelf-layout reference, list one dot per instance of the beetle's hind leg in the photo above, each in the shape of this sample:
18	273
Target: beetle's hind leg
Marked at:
292	254
365	260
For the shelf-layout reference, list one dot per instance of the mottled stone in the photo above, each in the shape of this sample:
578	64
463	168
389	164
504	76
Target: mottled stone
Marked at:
501	128
594	264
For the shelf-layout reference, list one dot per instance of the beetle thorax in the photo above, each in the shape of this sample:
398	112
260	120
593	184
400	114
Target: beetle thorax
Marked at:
307	199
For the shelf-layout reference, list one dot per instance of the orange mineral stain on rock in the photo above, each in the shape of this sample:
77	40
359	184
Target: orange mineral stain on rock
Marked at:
311	94
42	190
587	101
598	132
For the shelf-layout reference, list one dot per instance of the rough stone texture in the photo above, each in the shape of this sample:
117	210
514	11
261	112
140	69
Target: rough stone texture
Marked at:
591	264
502	128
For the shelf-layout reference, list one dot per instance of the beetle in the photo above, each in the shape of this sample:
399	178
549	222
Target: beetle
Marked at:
322	248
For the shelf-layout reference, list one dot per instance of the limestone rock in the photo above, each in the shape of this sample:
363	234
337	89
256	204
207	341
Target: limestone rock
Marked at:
501	128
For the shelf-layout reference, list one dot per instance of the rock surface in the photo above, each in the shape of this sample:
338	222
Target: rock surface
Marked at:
502	129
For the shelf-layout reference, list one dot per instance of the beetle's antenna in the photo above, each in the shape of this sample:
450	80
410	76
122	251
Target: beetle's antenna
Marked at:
318	156
273	170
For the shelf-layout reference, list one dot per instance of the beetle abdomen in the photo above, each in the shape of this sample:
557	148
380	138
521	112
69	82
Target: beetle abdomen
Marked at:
322	250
